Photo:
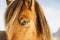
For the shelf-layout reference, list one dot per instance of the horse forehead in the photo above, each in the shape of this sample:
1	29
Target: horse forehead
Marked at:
26	13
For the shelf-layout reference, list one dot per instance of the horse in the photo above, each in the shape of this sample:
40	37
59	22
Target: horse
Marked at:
25	20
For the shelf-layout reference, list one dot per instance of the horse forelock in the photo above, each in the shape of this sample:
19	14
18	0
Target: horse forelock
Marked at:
16	5
12	13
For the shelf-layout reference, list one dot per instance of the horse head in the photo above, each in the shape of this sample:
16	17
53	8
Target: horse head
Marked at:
25	20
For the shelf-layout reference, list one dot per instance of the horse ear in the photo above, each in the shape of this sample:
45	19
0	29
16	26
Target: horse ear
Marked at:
9	1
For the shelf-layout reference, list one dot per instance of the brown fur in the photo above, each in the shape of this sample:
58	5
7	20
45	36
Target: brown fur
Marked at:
30	11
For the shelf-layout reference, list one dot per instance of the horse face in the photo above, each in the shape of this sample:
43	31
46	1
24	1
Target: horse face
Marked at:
26	22
24	26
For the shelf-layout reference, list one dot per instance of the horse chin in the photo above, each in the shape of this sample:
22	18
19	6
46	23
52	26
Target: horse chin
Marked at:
22	37
25	39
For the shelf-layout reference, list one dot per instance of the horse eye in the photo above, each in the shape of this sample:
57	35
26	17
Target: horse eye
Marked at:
23	23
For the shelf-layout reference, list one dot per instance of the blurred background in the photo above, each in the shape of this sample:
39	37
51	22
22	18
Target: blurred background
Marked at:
51	9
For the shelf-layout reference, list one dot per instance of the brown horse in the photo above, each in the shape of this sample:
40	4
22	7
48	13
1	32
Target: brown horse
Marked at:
25	20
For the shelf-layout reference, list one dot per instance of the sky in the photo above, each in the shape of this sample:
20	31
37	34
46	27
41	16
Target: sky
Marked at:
51	10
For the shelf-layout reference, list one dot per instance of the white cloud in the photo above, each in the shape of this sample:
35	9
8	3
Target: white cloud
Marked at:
2	10
2	20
